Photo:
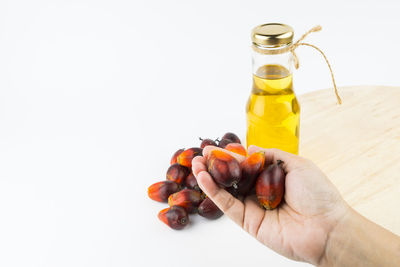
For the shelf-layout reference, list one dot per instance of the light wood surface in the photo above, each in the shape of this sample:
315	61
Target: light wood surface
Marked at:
357	144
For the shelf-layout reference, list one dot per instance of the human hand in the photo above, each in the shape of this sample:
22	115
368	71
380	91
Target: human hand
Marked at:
300	227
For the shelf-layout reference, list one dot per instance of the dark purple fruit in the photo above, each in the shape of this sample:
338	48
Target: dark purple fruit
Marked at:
175	217
231	136
191	182
224	142
207	142
209	210
177	173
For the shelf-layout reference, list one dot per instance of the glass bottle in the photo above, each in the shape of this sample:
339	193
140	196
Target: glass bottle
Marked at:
273	112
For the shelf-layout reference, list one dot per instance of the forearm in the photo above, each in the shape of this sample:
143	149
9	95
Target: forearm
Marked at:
356	241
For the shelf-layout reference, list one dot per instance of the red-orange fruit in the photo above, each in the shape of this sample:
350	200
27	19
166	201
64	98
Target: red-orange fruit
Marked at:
175	217
207	142
209	210
175	156
191	182
236	148
224	169
186	157
177	173
270	186
251	168
231	136
188	199
162	190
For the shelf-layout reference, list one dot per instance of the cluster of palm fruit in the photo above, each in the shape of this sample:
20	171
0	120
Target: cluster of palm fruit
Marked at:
184	196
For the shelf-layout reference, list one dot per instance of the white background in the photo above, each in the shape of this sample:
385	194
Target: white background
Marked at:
95	96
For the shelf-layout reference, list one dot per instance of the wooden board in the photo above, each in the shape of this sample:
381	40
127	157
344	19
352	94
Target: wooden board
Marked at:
357	144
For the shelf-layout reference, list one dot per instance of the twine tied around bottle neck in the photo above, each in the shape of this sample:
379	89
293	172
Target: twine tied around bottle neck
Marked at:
291	48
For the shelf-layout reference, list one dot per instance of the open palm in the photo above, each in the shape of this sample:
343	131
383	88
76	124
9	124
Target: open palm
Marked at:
299	228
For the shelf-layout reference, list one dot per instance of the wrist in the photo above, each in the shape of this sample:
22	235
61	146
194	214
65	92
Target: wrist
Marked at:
357	241
339	238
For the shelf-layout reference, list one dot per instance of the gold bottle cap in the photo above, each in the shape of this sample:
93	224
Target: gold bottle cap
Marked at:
272	34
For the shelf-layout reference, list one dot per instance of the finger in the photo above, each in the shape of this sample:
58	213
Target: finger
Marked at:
198	165
207	150
231	206
272	155
253	215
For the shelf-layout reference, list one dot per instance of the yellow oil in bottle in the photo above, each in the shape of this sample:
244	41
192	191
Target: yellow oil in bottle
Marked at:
273	113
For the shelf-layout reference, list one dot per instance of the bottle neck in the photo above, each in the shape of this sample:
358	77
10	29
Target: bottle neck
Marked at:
259	60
